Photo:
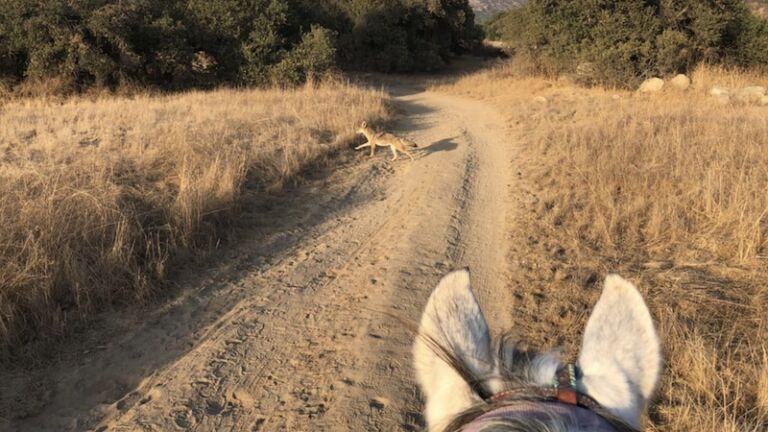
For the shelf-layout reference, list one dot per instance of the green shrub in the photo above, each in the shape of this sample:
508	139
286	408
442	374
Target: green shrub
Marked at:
103	43
752	44
621	43
196	43
674	52
313	56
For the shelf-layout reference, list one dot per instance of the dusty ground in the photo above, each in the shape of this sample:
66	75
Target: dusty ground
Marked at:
289	333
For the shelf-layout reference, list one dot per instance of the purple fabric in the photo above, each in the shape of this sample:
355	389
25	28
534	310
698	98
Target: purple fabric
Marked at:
571	416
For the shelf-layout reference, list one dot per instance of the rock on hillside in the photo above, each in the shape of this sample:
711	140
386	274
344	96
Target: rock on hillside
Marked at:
760	8
680	82
651	85
487	8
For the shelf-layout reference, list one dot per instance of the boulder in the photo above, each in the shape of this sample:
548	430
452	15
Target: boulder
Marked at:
723	99
764	101
586	70
680	82
755	89
540	99
651	85
718	91
752	94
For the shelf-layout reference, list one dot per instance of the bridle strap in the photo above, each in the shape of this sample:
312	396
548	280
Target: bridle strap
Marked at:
563	391
566	385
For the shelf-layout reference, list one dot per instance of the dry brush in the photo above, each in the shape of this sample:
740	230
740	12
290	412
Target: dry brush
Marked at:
97	196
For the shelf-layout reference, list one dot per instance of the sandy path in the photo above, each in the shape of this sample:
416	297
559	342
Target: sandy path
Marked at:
288	334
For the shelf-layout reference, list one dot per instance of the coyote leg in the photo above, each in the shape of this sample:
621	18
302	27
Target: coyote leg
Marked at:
373	148
394	152
408	153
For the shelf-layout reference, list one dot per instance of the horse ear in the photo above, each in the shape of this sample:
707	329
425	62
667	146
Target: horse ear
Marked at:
452	350
620	355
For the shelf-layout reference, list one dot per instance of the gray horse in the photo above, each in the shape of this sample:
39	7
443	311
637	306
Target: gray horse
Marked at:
474	384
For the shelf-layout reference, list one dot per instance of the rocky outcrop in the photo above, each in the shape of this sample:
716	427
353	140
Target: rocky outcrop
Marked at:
680	82
651	85
719	91
752	95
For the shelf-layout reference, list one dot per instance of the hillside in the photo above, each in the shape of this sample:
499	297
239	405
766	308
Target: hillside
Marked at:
698	258
759	7
487	8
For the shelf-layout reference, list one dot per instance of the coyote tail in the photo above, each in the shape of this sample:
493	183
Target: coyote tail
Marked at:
409	143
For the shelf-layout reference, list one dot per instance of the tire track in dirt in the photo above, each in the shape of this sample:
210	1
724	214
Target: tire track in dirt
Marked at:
295	340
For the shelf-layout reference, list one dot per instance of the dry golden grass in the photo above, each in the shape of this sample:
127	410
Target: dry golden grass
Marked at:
97	195
670	190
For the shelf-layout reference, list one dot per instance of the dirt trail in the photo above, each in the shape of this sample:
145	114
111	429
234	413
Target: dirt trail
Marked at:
287	333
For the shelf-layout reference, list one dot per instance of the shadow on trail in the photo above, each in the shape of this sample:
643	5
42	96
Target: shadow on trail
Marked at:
401	84
412	116
112	355
444	145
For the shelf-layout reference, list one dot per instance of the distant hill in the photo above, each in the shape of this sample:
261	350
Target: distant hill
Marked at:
487	8
759	7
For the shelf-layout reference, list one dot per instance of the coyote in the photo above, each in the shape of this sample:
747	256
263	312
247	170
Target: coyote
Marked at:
383	139
474	384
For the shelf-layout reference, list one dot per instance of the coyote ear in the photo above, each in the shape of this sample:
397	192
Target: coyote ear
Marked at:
364	124
620	355
453	336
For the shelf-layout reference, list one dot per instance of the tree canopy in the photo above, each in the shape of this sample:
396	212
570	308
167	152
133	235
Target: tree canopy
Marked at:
619	42
195	43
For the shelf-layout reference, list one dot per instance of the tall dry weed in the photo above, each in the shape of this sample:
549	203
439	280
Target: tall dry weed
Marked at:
670	190
97	195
